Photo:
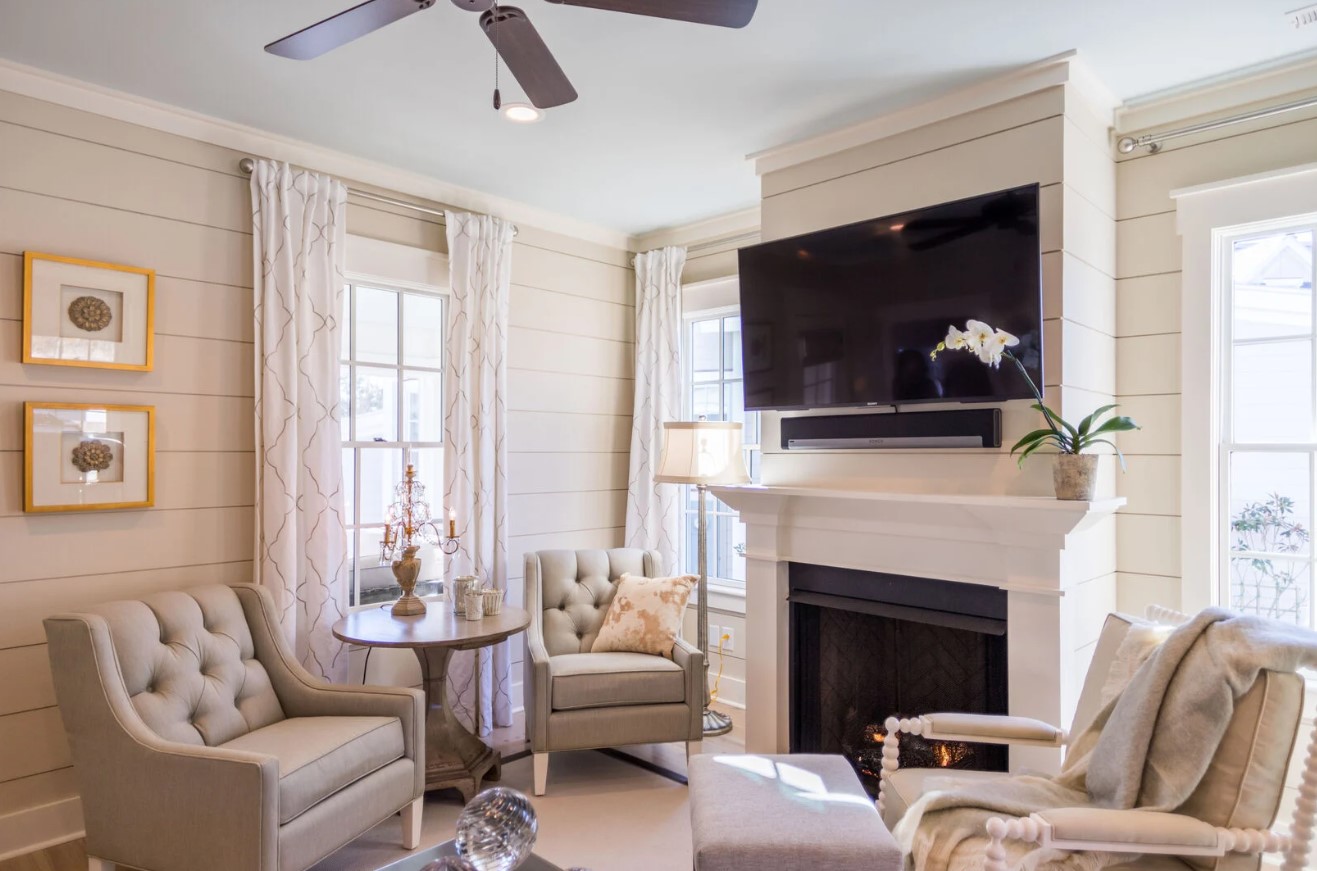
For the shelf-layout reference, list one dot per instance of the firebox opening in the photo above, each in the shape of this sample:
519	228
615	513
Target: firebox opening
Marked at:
868	646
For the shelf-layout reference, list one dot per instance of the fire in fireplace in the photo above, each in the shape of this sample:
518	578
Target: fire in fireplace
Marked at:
867	646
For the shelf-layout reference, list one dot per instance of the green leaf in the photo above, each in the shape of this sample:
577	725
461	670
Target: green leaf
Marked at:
1029	450
1117	424
1087	422
1035	436
1119	455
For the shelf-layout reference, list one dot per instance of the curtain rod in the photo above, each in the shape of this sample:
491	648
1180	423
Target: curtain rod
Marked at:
1153	141
246	165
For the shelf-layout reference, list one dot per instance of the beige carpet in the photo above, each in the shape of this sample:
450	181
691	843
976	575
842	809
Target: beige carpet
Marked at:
599	813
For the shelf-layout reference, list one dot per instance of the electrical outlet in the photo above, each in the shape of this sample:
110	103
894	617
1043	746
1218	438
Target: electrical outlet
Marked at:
730	643
715	632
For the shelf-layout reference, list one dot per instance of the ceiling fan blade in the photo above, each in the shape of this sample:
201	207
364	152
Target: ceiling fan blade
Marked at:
313	41
722	13
526	55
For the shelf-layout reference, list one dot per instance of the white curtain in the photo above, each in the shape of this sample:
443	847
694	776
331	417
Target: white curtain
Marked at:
476	446
653	511
298	224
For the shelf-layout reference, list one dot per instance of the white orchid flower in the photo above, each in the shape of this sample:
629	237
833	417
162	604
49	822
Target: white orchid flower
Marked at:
977	335
956	339
991	351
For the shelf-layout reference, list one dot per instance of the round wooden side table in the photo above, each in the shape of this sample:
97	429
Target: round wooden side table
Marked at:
454	757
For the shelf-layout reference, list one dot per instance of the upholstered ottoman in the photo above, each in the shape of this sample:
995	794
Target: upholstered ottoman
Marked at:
779	813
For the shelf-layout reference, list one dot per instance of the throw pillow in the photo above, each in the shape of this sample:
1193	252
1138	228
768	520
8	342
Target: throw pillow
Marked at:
645	615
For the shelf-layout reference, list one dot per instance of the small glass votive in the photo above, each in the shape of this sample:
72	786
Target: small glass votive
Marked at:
475	605
493	602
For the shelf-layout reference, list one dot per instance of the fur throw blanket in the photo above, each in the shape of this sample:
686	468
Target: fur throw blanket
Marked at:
1171	716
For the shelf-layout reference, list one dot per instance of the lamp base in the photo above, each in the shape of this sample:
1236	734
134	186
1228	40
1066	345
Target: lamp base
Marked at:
410	605
716	723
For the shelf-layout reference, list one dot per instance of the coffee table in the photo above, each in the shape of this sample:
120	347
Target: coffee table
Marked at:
417	861
453	756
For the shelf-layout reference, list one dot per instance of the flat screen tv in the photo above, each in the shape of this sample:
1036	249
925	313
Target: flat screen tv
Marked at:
848	316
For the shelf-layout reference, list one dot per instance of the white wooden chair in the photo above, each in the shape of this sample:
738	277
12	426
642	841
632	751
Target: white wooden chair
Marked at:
1224	826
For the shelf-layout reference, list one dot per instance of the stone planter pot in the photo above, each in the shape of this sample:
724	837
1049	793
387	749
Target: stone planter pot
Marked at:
1074	477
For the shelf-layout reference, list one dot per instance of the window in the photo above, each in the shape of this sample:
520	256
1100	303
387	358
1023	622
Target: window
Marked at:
391	401
1268	454
711	352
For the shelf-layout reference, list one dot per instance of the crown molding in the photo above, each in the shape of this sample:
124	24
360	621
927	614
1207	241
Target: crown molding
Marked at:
1061	69
1256	84
77	94
705	233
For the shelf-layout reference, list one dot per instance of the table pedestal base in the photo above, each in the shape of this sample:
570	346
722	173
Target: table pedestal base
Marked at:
454	758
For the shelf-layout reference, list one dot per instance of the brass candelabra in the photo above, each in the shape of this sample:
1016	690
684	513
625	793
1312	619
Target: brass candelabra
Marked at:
408	526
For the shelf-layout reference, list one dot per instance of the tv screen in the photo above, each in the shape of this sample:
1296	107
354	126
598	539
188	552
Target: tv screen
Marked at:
849	316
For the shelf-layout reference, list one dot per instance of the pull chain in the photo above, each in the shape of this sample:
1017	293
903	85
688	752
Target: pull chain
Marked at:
498	98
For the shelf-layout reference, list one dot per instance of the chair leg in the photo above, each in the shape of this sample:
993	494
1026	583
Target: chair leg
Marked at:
693	748
541	765
411	824
94	864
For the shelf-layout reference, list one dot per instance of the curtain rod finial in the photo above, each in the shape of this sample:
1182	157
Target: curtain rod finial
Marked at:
247	165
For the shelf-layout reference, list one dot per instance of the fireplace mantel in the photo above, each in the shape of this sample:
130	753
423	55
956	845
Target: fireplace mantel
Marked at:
1055	559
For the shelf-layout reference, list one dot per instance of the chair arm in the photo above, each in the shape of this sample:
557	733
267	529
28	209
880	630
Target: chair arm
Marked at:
691	659
537	676
989	729
1124	831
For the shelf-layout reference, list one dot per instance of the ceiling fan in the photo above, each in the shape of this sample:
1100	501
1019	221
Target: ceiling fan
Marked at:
515	39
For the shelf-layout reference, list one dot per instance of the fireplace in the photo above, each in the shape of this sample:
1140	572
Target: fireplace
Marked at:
865	646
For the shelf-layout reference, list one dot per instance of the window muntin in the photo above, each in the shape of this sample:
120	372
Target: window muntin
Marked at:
391	402
711	352
1268	454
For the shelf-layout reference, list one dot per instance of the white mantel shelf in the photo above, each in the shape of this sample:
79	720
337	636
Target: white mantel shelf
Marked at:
1054	559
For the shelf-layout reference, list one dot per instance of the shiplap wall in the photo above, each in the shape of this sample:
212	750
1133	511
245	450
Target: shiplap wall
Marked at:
84	185
1148	330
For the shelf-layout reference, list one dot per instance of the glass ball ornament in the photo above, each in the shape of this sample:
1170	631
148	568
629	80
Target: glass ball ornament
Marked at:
496	830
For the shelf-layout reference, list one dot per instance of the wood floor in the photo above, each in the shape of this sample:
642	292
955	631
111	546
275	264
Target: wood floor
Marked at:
72	856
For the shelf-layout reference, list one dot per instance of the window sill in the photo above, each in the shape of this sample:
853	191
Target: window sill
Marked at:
724	597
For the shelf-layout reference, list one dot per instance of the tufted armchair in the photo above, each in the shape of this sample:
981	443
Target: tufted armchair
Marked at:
578	700
200	743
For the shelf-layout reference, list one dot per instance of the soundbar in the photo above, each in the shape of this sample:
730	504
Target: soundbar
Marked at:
968	428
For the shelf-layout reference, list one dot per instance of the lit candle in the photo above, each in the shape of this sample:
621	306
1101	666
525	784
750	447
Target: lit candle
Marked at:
452	523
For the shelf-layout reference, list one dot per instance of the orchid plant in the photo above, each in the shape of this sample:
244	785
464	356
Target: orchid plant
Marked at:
991	347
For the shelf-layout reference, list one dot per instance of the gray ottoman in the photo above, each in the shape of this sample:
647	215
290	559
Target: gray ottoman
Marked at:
758	813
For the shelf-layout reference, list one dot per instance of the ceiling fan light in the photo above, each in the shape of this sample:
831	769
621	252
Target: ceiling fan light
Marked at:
522	113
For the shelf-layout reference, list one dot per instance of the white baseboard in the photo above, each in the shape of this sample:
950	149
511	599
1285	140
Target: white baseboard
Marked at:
37	828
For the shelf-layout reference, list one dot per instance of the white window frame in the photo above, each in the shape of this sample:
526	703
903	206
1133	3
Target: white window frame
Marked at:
1206	216
404	269
717	585
1227	446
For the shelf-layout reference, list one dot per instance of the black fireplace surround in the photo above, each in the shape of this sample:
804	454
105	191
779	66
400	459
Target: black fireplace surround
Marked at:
866	646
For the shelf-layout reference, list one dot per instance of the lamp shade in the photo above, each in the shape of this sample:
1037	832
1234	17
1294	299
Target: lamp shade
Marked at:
702	452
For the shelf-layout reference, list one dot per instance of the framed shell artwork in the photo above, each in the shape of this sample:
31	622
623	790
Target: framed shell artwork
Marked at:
88	457
86	313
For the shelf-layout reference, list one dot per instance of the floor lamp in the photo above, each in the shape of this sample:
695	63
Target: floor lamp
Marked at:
702	453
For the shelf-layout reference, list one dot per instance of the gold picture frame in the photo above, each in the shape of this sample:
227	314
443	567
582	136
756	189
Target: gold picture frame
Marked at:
68	306
87	456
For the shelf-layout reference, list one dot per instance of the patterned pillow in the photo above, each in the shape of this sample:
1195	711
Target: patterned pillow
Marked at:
645	616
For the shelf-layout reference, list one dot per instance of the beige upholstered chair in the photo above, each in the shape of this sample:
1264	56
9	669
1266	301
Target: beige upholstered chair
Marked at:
1222	827
200	744
578	700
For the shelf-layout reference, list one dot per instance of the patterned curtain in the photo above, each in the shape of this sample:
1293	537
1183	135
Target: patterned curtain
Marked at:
653	511
476	446
298	223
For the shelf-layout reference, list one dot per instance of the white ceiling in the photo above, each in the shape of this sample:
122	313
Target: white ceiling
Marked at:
667	111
